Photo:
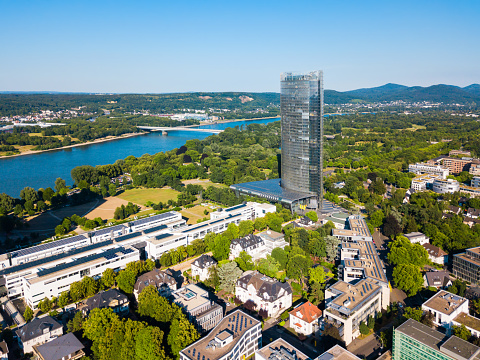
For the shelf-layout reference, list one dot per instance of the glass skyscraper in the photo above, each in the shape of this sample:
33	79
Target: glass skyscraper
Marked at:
301	108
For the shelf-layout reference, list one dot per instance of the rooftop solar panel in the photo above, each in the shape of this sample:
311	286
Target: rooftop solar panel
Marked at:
156	228
128	236
109	254
48	259
154	218
107	230
236	207
162	236
47	246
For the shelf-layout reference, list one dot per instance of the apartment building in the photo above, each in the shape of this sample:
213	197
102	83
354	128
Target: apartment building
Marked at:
445	186
421	168
267	294
456	166
357	229
466	265
415	341
476	181
204	313
238	336
347	305
360	260
280	350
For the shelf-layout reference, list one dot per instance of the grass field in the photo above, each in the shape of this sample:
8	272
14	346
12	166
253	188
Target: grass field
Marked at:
204	182
416	127
195	213
142	196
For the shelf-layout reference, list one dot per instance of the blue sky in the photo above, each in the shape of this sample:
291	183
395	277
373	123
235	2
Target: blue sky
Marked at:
177	46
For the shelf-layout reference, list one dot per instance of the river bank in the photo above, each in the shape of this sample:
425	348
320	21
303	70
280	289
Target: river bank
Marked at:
235	120
96	141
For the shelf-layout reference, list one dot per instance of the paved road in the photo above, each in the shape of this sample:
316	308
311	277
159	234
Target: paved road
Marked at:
368	348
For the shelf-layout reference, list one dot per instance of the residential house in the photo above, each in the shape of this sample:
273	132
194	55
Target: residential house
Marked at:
201	266
204	313
305	221
267	294
454	209
473	213
280	350
238	336
435	254
437	279
38	331
162	280
253	245
63	347
112	299
304	318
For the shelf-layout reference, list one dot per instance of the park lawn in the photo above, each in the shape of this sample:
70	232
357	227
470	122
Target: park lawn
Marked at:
204	182
142	196
195	213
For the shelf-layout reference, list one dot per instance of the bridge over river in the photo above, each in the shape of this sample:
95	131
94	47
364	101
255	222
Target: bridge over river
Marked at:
165	130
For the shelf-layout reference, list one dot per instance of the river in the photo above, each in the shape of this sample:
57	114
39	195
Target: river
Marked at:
40	170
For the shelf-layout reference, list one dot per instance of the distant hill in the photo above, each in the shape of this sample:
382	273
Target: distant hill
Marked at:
437	93
473	89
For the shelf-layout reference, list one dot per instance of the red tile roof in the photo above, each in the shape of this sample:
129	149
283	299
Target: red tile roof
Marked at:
307	312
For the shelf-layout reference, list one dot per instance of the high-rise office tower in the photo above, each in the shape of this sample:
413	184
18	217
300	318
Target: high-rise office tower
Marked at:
301	109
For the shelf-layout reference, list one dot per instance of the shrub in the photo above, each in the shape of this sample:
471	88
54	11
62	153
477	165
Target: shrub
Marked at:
284	316
364	330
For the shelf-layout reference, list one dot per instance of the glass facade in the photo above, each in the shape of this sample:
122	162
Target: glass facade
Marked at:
407	348
301	107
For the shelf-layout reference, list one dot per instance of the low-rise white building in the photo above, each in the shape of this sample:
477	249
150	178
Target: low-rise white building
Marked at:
424	182
357	229
445	307
417	238
201	267
304	318
421	168
267	294
38	331
272	240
